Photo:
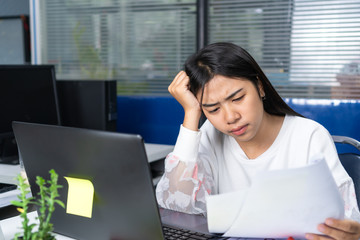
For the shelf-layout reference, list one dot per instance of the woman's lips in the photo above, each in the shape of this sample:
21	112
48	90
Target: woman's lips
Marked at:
239	131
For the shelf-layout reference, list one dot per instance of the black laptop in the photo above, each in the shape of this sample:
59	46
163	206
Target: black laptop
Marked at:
124	204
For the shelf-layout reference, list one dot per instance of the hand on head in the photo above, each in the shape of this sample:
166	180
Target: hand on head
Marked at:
179	89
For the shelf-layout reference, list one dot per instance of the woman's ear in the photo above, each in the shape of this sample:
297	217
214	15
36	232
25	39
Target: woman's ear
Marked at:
261	88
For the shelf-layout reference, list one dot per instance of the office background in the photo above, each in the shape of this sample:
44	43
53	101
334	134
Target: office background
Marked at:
310	50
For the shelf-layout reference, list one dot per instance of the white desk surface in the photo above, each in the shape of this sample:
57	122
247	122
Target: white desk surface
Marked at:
11	226
156	152
8	173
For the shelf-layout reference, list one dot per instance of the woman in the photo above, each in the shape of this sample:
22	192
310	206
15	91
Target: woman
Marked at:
249	129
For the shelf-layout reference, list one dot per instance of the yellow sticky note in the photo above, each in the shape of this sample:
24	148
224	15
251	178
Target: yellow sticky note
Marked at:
80	197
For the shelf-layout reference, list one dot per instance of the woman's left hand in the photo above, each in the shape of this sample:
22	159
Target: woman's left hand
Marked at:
345	229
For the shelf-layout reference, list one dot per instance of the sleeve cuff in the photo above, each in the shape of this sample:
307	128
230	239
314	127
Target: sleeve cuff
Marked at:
187	144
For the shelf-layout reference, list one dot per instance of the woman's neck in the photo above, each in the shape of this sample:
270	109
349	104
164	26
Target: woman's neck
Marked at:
265	137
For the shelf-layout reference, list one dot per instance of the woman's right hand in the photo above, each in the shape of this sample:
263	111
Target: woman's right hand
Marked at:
179	89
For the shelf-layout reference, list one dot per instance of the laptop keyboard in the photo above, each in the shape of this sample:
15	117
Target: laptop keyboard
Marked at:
7	187
172	233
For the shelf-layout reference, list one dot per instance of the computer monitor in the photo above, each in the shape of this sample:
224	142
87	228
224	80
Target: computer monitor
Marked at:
27	93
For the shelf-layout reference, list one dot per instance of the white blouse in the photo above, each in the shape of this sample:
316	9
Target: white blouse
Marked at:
209	162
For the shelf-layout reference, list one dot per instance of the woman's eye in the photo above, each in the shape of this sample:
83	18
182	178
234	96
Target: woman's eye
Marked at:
214	110
238	99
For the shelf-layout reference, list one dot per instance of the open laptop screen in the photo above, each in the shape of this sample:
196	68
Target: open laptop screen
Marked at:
124	204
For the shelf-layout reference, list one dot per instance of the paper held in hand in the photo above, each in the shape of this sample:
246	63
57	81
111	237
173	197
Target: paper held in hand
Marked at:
279	204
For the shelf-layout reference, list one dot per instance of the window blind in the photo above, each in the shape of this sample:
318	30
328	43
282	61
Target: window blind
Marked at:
141	43
307	48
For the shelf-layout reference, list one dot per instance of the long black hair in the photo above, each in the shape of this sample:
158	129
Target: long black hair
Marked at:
230	60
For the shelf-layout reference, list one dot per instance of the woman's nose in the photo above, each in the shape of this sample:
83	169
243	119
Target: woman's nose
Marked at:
231	115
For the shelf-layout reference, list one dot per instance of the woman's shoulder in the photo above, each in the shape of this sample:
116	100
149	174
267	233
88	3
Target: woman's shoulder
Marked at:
304	125
302	121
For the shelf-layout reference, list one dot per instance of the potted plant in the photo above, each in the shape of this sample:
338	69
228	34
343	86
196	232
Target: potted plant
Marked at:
46	201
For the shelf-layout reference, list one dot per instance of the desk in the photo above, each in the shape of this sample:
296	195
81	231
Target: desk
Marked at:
157	152
8	173
197	223
10	226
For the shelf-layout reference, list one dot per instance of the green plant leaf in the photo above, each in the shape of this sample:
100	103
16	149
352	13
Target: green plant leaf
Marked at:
31	226
60	203
46	200
16	203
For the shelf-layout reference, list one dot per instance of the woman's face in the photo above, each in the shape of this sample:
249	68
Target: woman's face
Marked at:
233	106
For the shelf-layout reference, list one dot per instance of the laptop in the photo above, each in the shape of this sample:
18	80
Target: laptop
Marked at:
124	204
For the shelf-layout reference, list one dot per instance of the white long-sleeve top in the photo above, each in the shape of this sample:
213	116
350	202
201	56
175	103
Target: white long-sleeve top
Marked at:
209	162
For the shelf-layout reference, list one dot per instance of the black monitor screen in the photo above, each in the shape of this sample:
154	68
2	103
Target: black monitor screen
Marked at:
27	94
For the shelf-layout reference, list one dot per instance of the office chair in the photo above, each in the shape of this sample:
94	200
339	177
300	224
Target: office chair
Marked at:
351	162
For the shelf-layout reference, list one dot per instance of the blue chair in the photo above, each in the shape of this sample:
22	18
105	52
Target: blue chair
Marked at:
351	162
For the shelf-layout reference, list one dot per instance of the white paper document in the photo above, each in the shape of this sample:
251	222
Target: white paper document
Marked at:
279	204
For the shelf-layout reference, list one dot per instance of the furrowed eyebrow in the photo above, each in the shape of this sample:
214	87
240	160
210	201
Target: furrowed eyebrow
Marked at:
227	98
